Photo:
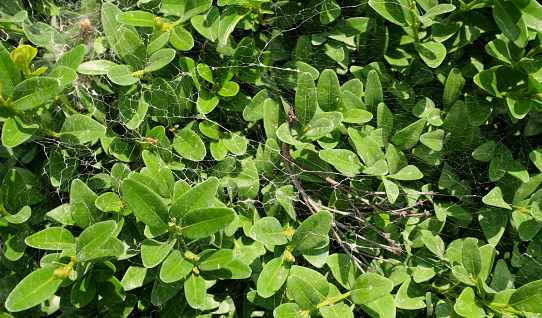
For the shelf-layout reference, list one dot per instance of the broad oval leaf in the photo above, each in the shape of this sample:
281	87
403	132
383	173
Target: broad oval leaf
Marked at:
15	131
93	238
189	145
53	239
33	289
369	287
175	267
432	53
312	231
96	67
34	92
268	231
159	59
305	99
154	252
528	297
345	161
145	203
328	91
198	197
510	20
211	260
195	291
181	39
272	277
201	223
136	18
80	129
122	75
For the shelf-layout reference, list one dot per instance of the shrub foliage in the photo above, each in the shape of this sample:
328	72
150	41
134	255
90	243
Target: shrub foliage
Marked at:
251	158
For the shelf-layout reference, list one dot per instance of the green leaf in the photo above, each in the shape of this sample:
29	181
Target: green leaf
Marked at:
313	231
408	173
478	110
159	59
175	267
345	161
510	20
22	216
109	202
33	289
519	108
189	145
527	297
145	203
467	306
268	231
254	110
366	147
201	223
408	137
305	99
303	292
93	238
136	18
373	90
502	278
392	190
498	48
97	67
288	310
487	80
195	291
433	139
394	11
181	39
472	260
370	287
382	307
410	296
535	156
526	225
494	198
328	91
15	131
122	75
493	222
380	168
432	53
198	197
207	24
195	7
162	292
330	11
211	260
34	92
82	292
272	277
228	88
235	142
53	239
453	87
80	129
357	116
228	20
154	252
434	243
9	75
82	199
343	269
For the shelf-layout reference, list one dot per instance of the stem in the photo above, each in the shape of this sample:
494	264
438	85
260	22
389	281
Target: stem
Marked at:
172	25
414	26
534	52
470	6
12	29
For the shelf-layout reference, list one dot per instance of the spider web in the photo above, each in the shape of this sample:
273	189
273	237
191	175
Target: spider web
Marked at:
458	181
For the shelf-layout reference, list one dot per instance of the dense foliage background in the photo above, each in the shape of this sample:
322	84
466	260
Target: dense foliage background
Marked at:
247	158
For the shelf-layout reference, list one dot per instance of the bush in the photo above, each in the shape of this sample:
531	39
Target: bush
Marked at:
252	158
